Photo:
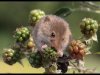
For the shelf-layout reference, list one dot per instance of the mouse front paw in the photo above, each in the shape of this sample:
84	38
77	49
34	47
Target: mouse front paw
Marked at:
60	53
44	46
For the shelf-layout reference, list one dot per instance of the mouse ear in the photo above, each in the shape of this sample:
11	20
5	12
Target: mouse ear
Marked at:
47	19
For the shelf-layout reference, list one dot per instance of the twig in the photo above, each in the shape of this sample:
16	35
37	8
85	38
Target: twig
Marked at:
75	66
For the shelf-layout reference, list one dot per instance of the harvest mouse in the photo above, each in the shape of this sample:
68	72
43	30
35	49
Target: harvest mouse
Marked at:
52	31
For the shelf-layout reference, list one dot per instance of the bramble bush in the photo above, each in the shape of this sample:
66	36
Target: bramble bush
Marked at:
78	48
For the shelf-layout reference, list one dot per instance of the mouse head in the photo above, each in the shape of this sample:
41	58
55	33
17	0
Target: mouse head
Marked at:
59	33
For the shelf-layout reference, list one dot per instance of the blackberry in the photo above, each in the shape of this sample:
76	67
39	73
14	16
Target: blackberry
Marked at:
63	67
62	63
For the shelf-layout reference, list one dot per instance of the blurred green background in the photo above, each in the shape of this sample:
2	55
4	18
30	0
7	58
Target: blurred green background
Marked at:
15	14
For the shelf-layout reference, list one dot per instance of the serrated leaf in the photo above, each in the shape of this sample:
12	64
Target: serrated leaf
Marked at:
94	38
63	12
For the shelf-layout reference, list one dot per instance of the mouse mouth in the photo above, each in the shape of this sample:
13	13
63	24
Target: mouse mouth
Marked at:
45	46
54	49
59	52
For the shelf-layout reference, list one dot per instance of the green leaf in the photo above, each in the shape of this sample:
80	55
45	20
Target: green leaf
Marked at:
63	12
94	38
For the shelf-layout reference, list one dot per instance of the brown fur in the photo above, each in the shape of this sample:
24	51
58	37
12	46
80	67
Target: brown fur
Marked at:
48	24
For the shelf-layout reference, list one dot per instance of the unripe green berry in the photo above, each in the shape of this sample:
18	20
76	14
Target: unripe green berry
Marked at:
35	16
42	13
20	39
11	54
23	31
24	28
39	17
34	19
5	54
18	33
9	50
22	34
89	28
87	22
27	33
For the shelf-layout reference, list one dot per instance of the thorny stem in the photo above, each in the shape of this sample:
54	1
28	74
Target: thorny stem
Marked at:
84	70
79	70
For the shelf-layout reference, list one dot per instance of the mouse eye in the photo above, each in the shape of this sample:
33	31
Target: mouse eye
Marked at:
52	34
63	39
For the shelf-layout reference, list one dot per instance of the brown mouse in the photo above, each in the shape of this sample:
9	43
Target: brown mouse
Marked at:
52	31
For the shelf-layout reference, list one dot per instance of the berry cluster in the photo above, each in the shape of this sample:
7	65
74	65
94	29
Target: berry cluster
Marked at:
35	16
22	34
77	49
7	56
49	56
24	45
11	56
35	60
24	40
88	27
43	59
